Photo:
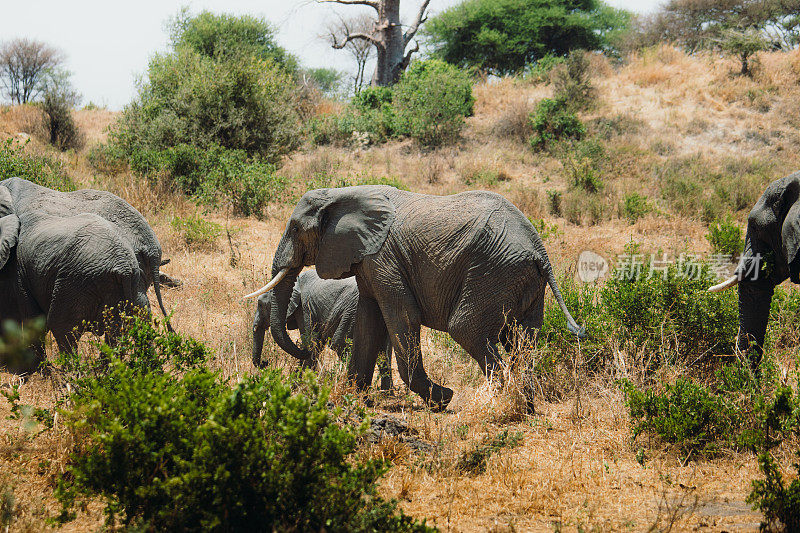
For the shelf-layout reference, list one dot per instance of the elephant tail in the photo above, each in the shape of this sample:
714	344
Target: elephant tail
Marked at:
573	326
157	289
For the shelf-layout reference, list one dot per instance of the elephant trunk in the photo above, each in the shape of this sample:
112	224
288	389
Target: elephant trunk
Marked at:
260	324
754	305
157	290
282	293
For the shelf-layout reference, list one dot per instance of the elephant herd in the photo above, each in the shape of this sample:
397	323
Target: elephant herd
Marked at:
387	263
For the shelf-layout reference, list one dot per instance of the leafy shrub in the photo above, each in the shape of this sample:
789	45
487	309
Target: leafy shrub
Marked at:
39	169
102	158
540	71
779	501
668	309
725	237
552	121
215	175
373	97
580	208
635	206
59	99
190	451
571	82
431	100
554	202
685	413
196	231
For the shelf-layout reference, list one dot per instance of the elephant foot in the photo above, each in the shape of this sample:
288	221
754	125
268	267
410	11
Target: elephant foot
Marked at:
259	363
439	398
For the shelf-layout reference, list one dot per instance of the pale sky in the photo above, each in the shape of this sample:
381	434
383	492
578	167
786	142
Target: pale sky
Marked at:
108	42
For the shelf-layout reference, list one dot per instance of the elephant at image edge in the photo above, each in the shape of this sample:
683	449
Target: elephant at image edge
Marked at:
324	310
470	264
29	198
770	256
69	270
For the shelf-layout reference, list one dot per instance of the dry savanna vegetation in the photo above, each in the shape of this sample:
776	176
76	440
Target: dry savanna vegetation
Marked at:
673	144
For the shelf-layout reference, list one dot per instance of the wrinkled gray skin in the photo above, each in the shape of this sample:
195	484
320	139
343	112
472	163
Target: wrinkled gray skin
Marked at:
69	270
773	234
324	310
27	198
470	264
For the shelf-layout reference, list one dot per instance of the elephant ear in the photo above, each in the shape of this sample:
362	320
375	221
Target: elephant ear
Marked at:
790	237
6	202
354	223
9	232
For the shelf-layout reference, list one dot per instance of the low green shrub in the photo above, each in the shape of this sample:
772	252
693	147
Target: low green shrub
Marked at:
539	72
215	176
725	237
171	447
196	231
431	100
686	414
40	169
553	121
373	97
634	206
571	81
778	499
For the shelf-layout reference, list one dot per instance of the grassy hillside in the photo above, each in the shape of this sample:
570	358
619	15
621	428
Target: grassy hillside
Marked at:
690	139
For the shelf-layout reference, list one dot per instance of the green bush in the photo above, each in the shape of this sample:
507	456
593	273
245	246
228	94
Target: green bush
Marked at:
215	176
540	71
686	414
431	100
553	121
635	206
669	310
571	82
186	450
373	97
39	169
242	103
196	231
725	237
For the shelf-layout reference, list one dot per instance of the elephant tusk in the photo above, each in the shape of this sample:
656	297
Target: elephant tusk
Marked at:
730	282
269	286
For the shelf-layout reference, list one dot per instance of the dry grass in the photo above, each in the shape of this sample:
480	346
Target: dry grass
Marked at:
576	466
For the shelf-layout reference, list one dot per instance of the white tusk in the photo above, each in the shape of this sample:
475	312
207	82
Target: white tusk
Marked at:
269	286
730	282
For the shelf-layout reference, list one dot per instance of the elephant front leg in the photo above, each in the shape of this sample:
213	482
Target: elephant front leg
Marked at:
369	338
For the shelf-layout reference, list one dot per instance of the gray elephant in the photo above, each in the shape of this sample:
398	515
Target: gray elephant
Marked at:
22	197
470	264
71	270
324	311
770	256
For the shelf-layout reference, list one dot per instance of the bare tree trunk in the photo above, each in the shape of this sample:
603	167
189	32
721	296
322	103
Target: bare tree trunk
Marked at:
387	36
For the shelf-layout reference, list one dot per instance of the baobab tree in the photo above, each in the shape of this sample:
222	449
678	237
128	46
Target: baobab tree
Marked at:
386	35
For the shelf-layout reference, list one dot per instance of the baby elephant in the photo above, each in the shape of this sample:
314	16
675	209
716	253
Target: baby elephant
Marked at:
324	311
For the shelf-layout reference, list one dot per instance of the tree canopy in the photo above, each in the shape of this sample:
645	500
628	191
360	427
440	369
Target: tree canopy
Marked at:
503	36
225	36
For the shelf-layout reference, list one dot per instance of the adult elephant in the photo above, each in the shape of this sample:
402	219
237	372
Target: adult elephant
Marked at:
324	310
22	197
770	256
470	264
78	272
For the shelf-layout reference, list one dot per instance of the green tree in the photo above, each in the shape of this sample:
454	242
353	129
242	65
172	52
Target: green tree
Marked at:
503	36
225	83
743	44
223	36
